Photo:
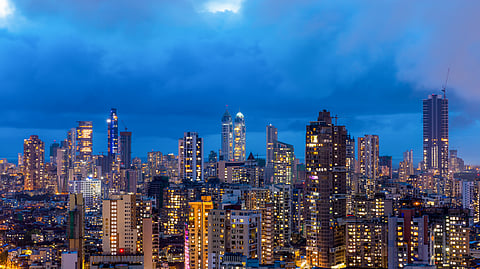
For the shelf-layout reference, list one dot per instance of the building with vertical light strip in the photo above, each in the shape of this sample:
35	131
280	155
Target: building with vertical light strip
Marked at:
435	134
272	137
190	157
112	132
226	153
34	163
119	225
325	198
198	232
239	130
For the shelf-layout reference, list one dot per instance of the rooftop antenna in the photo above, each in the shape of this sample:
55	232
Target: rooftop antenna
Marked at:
336	119
444	89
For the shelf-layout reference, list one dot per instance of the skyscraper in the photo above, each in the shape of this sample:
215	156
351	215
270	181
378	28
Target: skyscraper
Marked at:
272	137
190	157
34	162
283	162
198	233
325	201
227	137
368	156
435	134
239	138
84	141
125	149
112	149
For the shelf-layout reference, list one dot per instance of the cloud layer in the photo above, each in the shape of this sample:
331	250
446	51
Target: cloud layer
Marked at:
172	66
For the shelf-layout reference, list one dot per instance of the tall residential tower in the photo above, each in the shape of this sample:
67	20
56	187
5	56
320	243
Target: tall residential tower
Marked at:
112	136
435	134
239	138
325	194
227	137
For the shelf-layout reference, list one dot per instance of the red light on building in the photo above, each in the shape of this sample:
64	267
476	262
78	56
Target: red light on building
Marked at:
121	251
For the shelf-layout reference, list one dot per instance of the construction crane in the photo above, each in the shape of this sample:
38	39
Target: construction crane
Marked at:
123	123
444	89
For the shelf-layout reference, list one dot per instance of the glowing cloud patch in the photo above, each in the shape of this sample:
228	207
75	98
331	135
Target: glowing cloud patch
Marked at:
5	8
223	6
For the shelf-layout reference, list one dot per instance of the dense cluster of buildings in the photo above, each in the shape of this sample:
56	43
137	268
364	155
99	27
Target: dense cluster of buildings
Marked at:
343	206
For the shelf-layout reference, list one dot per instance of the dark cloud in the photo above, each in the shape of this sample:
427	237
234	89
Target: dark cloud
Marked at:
170	66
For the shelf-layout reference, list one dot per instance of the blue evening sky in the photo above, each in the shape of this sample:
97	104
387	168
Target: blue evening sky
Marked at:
171	66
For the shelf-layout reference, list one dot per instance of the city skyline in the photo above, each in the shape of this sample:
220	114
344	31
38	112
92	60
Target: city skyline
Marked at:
208	58
100	137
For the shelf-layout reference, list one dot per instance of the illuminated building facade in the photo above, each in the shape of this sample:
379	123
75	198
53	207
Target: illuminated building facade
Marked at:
408	239
174	211
125	149
435	134
91	189
450	236
272	137
190	157
283	163
282	214
366	243
154	160
233	231
239	138
368	156
84	142
325	198
198	232
227	137
34	163
119	225
112	132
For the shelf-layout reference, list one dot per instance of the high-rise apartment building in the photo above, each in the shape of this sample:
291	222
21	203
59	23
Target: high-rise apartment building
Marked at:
125	149
91	189
119	225
450	234
366	243
368	156
227	137
261	199
71	147
197	245
112	131
283	163
408	239
190	157
174	210
272	137
239	154
325	199
435	134
233	231
34	163
282	214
